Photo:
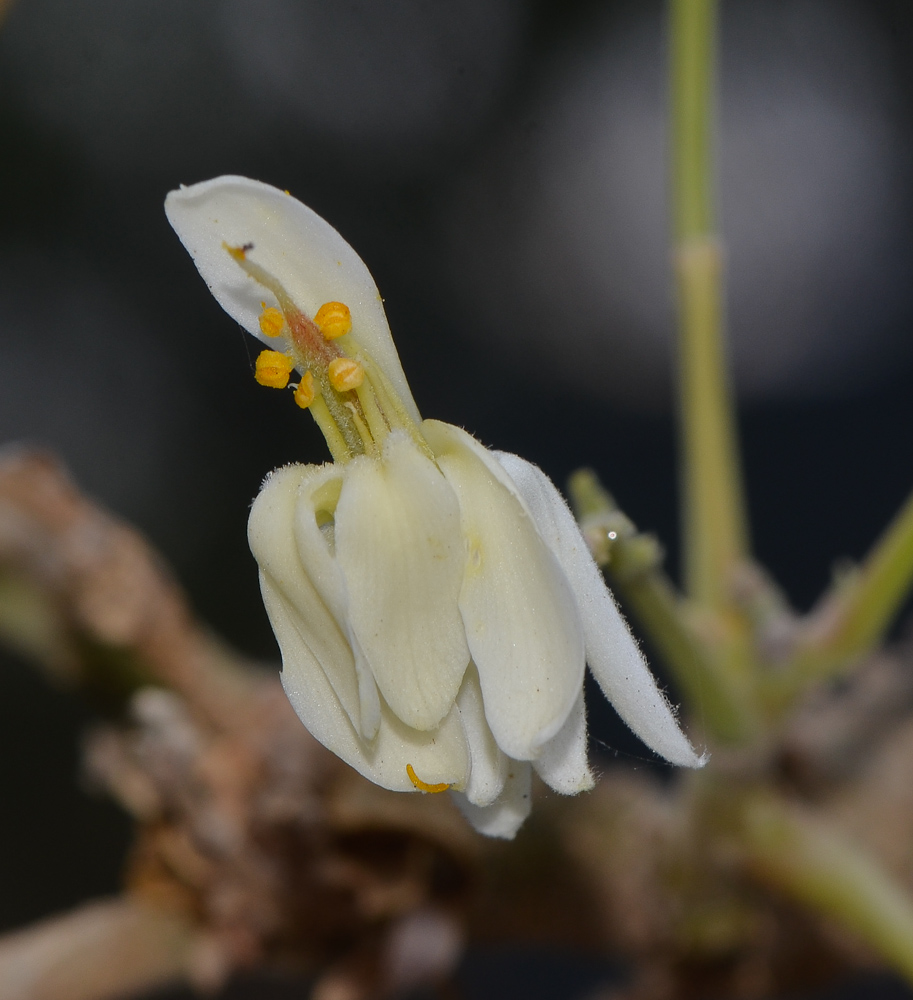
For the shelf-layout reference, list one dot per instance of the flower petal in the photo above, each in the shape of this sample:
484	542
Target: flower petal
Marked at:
399	547
437	756
613	656
521	620
506	815
488	765
289	592
287	589
318	668
301	250
563	763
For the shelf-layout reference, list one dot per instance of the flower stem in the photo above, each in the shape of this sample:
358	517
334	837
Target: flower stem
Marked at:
814	864
718	696
714	522
853	616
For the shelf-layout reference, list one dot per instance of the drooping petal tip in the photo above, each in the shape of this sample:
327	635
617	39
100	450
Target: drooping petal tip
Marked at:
613	656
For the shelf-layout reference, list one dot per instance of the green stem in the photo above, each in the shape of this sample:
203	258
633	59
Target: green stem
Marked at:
693	29
853	617
716	695
814	864
714	521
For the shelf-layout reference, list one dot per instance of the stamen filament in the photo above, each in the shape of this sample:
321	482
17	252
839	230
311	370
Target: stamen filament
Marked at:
330	430
424	786
341	415
377	422
390	402
367	439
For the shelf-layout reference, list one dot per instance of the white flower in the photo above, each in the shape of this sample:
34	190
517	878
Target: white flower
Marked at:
435	602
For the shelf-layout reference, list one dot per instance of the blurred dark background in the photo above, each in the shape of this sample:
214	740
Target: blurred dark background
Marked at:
500	165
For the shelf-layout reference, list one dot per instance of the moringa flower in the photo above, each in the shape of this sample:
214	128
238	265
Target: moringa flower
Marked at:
434	601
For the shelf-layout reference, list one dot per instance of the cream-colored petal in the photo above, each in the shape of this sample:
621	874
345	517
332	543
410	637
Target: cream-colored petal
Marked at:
399	547
563	763
437	756
319	489
313	526
289	593
488	764
311	260
368	696
506	815
521	619
614	658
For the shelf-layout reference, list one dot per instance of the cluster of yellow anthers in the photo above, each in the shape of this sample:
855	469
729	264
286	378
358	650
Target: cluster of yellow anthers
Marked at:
274	368
341	385
331	321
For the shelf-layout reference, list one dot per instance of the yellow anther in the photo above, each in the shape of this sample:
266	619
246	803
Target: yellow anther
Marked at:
345	374
423	786
333	320
272	322
273	369
305	393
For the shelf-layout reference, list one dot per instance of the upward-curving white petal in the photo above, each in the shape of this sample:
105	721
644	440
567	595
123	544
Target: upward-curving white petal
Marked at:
613	656
304	252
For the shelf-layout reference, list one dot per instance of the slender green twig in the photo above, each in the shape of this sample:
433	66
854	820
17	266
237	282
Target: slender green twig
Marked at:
720	702
813	863
715	531
854	615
